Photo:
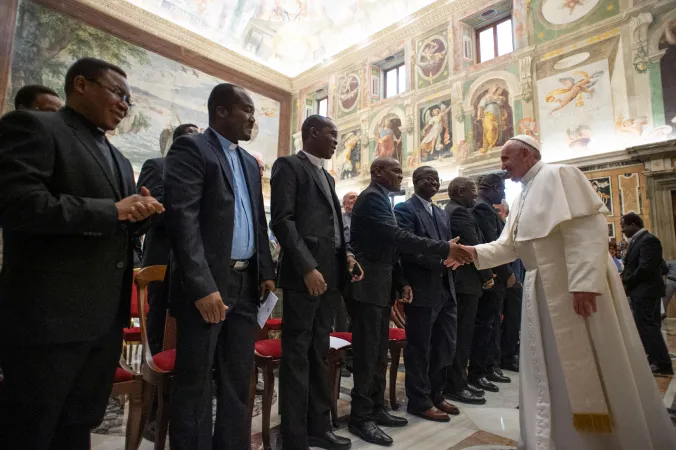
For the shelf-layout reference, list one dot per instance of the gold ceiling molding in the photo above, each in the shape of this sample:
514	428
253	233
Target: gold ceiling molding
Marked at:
419	22
169	31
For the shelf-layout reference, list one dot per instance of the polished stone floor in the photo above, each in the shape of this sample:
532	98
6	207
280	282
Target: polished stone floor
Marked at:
492	426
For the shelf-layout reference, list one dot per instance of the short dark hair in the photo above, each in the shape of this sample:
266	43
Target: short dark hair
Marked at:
180	130
27	95
313	121
224	94
632	219
91	69
457	184
417	173
491	180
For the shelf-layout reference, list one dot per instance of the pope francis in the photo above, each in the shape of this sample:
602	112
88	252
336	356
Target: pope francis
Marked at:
585	380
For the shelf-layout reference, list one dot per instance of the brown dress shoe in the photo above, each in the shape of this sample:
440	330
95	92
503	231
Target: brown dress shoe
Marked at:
432	414
448	408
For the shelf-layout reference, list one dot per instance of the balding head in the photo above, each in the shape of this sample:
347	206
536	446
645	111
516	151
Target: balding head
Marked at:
517	158
348	201
387	172
463	191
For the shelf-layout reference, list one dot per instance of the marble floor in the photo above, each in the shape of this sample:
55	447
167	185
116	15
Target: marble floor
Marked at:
492	426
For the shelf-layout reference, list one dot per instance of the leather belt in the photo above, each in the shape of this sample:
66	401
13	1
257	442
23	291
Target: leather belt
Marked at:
239	265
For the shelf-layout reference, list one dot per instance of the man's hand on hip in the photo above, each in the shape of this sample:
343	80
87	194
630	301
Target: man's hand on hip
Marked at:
212	308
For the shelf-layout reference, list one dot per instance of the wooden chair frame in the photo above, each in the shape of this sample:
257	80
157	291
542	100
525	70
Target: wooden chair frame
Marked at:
134	389
399	318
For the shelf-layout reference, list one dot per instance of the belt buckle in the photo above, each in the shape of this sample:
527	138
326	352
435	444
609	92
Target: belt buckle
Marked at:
240	265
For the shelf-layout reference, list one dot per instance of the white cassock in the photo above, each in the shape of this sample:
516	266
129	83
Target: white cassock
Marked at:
585	383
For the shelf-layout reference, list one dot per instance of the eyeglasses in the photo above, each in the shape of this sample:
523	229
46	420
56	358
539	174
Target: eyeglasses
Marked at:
116	92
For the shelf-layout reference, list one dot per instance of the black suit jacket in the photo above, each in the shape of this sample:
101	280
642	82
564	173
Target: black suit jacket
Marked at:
156	243
642	274
376	241
67	259
468	280
200	206
302	221
491	227
425	274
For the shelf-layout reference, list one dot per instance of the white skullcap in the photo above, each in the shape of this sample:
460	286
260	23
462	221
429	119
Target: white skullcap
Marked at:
528	140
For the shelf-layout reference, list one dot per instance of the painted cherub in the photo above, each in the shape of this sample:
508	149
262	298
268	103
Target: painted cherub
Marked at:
572	4
630	126
573	89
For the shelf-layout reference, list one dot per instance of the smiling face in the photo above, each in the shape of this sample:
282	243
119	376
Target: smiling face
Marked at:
516	159
104	100
426	183
387	172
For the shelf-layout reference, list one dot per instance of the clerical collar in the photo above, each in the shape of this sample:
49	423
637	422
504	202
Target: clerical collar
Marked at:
532	172
96	131
319	162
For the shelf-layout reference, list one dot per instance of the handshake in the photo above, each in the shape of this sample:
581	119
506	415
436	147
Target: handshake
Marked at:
459	254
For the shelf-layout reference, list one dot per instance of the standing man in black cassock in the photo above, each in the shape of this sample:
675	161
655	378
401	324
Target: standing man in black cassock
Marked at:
69	212
314	266
431	327
376	241
220	262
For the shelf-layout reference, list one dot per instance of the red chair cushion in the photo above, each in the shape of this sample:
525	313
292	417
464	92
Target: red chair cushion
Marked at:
397	334
165	360
274	324
271	348
122	375
343	335
131	334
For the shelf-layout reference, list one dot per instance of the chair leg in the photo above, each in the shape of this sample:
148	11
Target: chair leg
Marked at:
133	439
252	395
395	352
162	424
268	390
335	389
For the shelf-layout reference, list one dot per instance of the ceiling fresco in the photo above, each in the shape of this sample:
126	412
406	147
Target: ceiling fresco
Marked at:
289	36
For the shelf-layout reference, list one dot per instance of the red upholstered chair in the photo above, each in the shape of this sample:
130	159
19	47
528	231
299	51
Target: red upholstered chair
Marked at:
129	383
157	370
131	336
397	343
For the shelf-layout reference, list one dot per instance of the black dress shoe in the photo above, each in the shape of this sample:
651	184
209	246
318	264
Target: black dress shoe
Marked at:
483	383
498	377
330	441
385	419
475	390
466	396
369	432
656	370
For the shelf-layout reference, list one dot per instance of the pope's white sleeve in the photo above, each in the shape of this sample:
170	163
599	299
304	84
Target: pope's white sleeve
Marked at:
585	248
497	252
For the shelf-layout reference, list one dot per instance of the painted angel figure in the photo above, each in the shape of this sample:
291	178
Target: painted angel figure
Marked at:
430	55
436	133
572	4
573	89
598	186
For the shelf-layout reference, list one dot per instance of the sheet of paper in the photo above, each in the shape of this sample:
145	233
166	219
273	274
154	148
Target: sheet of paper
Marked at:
337	343
265	309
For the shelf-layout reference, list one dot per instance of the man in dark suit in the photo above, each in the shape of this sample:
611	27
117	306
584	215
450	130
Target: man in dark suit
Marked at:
220	261
69	210
470	284
643	282
511	324
431	318
314	265
486	353
156	243
376	242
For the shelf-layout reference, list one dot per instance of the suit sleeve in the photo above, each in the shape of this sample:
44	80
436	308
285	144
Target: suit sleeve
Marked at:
378	219
27	161
649	263
489	227
151	178
406	221
463	225
265	265
283	187
585	247
184	177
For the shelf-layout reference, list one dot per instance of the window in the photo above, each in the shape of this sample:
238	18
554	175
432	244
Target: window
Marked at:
395	81
495	40
323	106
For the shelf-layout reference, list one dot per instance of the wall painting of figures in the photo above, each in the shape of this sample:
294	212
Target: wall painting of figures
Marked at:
492	117
436	136
348	156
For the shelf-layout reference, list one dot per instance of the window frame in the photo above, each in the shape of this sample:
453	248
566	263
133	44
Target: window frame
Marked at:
318	103
386	72
494	26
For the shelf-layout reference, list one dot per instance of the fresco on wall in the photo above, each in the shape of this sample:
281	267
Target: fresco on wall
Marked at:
555	18
165	93
348	155
348	92
388	138
603	189
668	72
436	136
431	58
493	122
630	193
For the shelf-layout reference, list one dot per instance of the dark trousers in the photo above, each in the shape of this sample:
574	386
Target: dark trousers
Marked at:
456	379
304	387
648	319
341	321
485	353
54	394
511	324
224	351
157	314
430	349
370	343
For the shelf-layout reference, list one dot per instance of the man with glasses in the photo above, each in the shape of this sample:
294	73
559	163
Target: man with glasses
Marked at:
69	211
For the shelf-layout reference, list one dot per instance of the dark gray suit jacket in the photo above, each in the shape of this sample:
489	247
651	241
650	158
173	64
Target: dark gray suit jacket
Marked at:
67	259
156	243
200	207
642	274
491	227
303	222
